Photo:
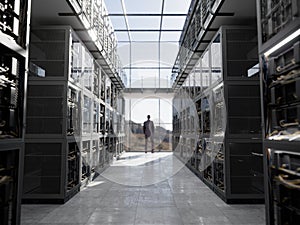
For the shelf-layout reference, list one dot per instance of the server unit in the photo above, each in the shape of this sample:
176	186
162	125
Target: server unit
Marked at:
278	25
53	132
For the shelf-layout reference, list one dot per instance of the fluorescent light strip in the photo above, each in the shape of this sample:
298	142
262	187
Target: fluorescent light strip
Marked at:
283	42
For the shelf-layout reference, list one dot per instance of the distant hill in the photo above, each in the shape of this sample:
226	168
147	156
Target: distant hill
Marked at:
162	137
137	128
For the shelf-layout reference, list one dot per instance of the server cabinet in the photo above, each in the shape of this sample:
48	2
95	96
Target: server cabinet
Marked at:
227	153
72	103
62	115
14	29
278	26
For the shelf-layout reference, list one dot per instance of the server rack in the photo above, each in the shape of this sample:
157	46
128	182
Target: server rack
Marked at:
227	153
280	64
14	28
63	109
53	132
66	110
95	14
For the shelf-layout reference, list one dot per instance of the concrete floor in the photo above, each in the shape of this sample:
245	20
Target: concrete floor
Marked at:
144	189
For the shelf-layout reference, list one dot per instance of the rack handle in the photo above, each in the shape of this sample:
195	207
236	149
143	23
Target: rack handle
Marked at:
295	184
257	154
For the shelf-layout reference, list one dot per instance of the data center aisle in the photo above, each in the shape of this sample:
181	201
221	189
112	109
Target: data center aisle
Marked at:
142	189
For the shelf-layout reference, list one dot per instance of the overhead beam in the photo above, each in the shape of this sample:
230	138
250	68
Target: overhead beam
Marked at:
147	67
141	41
148	30
148	14
161	19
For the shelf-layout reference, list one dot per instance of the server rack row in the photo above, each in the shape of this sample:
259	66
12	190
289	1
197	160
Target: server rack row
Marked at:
199	12
14	28
74	116
94	16
226	151
278	26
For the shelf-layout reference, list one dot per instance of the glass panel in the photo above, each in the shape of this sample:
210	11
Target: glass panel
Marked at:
87	105
114	6
144	78
197	77
122	36
166	112
143	22
170	36
135	6
168	53
216	59
124	53
118	22
136	80
144	52
76	60
192	83
88	64
165	78
145	36
177	6
205	69
173	22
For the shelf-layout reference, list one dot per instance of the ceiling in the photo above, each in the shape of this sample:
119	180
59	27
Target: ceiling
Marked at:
150	21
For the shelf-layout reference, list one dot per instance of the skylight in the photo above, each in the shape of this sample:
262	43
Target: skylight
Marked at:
156	21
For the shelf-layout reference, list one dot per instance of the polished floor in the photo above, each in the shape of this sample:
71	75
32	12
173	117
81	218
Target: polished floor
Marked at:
144	189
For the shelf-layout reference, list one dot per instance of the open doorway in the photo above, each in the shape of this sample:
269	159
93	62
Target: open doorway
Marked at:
159	107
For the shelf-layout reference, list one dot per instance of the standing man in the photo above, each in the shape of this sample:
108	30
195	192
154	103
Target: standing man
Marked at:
149	133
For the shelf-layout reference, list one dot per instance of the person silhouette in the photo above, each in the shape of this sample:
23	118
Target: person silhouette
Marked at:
149	133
